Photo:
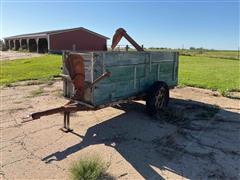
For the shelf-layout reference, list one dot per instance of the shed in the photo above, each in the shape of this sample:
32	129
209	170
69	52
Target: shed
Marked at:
80	39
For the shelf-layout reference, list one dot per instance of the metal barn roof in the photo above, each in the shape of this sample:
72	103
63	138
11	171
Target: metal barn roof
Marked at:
45	33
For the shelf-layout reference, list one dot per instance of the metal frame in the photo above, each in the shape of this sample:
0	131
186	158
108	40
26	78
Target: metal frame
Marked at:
74	106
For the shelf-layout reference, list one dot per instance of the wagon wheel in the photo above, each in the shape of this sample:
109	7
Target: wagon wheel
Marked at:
157	97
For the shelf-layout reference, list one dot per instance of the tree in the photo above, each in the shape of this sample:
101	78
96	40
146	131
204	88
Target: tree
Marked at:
2	45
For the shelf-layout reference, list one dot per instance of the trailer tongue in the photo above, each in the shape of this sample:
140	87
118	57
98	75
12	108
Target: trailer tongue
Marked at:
66	109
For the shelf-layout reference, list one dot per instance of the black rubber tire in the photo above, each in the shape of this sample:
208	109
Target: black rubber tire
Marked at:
157	90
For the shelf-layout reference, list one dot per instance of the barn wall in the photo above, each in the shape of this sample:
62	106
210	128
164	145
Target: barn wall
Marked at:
77	40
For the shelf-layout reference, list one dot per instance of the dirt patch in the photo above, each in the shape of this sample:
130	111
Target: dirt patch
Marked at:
11	55
196	137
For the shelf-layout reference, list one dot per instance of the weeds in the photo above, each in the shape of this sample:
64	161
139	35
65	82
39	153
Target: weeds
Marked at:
48	81
171	115
37	92
207	112
9	85
59	93
89	169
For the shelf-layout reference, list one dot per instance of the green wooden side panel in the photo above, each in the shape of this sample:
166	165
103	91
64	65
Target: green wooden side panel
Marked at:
132	73
125	73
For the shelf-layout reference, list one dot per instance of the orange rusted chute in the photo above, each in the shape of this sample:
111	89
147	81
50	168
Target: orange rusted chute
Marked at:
75	66
122	33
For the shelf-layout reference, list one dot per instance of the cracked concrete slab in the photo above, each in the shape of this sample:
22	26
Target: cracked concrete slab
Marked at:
197	137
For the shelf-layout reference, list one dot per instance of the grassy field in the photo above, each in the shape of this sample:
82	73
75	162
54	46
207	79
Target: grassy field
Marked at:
211	53
43	68
226	54
211	73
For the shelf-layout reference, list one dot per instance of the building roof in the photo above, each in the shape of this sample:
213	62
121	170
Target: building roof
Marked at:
45	33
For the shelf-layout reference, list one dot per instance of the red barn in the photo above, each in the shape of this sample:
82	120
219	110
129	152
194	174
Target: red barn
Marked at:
79	39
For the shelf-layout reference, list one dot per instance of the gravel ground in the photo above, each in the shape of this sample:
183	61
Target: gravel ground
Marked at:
11	55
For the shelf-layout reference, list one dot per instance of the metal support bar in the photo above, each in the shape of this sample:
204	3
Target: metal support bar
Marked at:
106	74
66	122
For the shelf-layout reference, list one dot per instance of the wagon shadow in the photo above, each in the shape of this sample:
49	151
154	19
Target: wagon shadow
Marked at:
153	145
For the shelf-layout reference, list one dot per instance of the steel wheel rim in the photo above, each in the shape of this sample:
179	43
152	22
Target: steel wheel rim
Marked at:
160	98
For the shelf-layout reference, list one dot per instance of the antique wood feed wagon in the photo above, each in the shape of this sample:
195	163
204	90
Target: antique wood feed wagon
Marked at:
93	80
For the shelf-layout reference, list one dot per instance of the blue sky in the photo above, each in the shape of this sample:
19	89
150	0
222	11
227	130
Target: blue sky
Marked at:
173	24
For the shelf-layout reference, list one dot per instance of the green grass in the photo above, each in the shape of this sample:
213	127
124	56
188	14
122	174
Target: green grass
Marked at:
211	53
89	169
211	73
40	68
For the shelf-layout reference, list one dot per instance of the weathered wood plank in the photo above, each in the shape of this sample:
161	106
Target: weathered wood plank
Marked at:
133	73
